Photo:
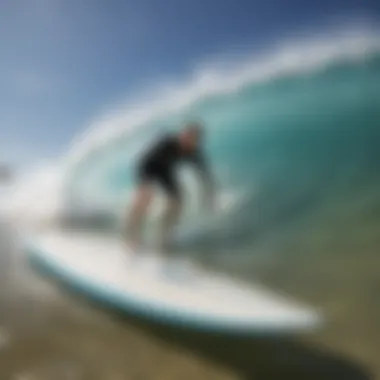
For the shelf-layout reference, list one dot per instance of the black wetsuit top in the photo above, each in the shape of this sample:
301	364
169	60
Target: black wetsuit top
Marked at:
159	164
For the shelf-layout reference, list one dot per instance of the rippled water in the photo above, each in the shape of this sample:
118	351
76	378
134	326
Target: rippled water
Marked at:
49	333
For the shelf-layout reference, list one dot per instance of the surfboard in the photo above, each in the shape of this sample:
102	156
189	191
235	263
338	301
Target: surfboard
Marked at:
104	270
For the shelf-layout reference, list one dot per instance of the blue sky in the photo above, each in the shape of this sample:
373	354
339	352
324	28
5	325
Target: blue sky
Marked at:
63	61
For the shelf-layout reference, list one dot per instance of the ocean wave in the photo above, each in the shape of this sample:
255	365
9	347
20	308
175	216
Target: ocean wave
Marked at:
286	58
97	163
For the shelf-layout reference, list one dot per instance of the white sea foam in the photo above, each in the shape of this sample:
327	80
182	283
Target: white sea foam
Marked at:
36	195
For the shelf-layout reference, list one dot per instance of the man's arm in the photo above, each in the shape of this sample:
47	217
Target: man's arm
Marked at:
202	165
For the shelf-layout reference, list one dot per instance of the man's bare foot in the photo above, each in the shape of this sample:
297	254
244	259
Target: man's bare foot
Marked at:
132	245
131	249
165	247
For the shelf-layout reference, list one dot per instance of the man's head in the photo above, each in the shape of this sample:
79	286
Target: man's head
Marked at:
191	135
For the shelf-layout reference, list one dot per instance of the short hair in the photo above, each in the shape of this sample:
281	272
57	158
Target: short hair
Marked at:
195	127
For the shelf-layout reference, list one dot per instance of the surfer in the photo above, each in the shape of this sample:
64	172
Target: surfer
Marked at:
157	166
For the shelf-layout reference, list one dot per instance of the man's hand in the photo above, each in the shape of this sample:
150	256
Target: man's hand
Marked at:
209	200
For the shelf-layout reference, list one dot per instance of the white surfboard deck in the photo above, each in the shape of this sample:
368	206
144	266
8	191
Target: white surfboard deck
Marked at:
101	268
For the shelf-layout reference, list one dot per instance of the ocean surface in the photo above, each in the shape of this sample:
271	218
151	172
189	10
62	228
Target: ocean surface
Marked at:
297	160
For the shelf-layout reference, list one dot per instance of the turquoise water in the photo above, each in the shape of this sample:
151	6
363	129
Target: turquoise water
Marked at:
289	144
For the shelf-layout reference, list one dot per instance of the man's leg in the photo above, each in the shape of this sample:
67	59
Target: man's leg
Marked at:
137	214
169	221
172	211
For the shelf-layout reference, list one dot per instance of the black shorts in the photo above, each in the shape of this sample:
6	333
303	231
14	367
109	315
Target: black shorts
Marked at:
166	179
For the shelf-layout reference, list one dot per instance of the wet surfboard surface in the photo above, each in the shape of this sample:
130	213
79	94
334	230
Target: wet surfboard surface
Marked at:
162	289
